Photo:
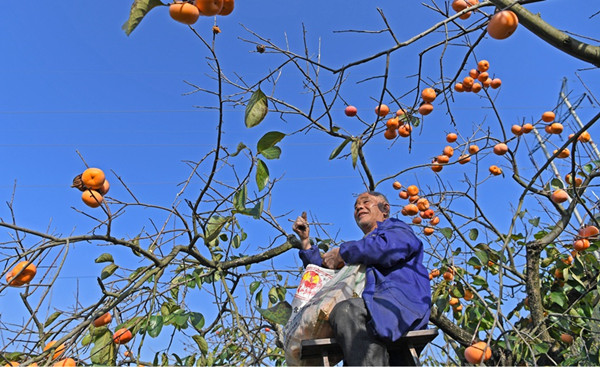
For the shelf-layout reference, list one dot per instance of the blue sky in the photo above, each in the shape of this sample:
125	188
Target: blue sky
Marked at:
71	80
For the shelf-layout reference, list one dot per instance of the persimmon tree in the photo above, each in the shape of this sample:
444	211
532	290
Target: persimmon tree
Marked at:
194	287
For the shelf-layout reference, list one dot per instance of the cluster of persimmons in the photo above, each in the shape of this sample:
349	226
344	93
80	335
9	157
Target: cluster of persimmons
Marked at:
417	207
188	12
580	243
396	125
501	148
478	79
93	185
121	336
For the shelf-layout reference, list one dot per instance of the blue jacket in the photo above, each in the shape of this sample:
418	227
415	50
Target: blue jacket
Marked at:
397	292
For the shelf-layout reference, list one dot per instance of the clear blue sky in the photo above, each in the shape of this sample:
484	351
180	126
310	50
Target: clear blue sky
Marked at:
70	79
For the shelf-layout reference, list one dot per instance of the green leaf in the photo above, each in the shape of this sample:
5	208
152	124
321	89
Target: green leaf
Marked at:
103	352
559	298
269	140
541	348
414	120
108	271
168	308
258	298
271	153
479	280
257	109
155	324
574	276
474	261
236	241
87	339
239	148
535	221
546	262
214	226
254	286
447	232
473	234
174	293
262	175
483	256
12	356
51	318
273	295
189	360
588	168
552	252
441	303
257	210
133	324
202	344
104	258
458	290
254	212
138	11
278	314
172	319
197	321
240	197
281	292
354	151
181	319
99	331
339	149
556	184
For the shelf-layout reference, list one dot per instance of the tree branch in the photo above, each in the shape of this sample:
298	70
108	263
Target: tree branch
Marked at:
450	328
551	35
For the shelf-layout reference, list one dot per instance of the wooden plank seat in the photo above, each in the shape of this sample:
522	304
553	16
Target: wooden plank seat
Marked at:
409	346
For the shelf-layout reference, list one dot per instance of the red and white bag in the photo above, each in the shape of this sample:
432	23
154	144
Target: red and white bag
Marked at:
313	279
319	291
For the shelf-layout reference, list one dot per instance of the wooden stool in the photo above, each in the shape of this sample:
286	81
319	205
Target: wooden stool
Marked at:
409	346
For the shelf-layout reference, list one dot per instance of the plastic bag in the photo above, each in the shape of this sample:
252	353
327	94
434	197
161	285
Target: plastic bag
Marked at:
311	321
313	279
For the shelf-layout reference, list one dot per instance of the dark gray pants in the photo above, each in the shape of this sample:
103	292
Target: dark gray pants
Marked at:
361	348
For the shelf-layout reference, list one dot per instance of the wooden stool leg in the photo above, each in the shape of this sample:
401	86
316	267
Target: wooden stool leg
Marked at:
414	355
325	359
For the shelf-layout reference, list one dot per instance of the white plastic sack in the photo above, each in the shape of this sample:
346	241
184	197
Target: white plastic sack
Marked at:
313	279
311	320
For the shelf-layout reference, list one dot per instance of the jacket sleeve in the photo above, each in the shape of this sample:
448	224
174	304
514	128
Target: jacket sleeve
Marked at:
388	245
311	256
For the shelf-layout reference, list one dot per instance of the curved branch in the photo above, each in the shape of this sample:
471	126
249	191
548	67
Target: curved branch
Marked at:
551	35
253	259
450	328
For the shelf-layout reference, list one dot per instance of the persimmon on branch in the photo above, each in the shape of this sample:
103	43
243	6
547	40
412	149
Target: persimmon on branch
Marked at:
551	35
